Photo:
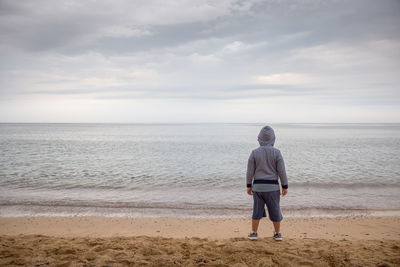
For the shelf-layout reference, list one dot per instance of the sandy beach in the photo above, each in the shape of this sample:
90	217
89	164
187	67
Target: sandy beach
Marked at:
100	241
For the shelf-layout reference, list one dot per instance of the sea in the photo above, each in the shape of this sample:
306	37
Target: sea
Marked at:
194	170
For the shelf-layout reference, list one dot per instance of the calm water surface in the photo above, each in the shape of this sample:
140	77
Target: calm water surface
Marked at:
194	170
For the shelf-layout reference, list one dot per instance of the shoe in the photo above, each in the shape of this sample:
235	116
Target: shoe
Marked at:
252	236
277	237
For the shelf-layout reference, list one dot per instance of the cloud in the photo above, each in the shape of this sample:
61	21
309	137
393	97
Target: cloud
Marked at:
123	32
284	79
230	54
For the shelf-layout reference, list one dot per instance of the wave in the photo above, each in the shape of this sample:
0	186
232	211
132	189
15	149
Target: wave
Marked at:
377	184
136	205
195	185
182	206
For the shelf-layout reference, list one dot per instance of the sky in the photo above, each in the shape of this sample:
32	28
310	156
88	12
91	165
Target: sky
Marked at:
194	61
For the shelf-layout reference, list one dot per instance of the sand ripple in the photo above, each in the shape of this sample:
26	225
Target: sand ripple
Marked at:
40	250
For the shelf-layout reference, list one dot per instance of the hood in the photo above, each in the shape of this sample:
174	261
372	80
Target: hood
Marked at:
266	136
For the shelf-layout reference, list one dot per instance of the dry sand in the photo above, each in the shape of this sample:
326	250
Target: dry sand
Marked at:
99	241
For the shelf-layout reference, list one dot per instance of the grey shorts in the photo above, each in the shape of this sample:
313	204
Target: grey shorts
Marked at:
271	199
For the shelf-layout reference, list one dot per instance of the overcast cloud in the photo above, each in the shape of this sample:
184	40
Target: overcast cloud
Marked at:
200	61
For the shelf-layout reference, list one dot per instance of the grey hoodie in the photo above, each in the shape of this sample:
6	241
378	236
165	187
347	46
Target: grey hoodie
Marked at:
266	163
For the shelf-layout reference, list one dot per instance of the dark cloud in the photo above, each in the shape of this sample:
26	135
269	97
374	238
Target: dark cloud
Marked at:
79	27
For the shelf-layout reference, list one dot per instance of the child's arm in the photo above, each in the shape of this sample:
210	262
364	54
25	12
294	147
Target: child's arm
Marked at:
280	166
251	168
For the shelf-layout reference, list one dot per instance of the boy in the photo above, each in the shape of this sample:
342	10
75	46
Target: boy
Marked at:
264	167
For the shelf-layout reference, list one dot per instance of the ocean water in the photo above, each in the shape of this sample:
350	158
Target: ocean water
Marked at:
194	170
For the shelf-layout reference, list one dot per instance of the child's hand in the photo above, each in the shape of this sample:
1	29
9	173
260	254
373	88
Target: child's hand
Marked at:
284	191
249	191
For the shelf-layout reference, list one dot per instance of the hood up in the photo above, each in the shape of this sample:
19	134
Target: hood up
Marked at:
266	136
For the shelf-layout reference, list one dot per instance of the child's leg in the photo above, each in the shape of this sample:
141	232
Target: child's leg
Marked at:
275	215
254	225
277	226
258	211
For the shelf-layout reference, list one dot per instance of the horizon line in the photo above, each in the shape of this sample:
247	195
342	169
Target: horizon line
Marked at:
199	122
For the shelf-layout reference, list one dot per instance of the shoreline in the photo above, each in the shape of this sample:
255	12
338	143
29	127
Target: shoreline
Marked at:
349	228
193	212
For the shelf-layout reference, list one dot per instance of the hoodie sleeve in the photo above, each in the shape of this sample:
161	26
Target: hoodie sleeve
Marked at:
280	166
251	168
